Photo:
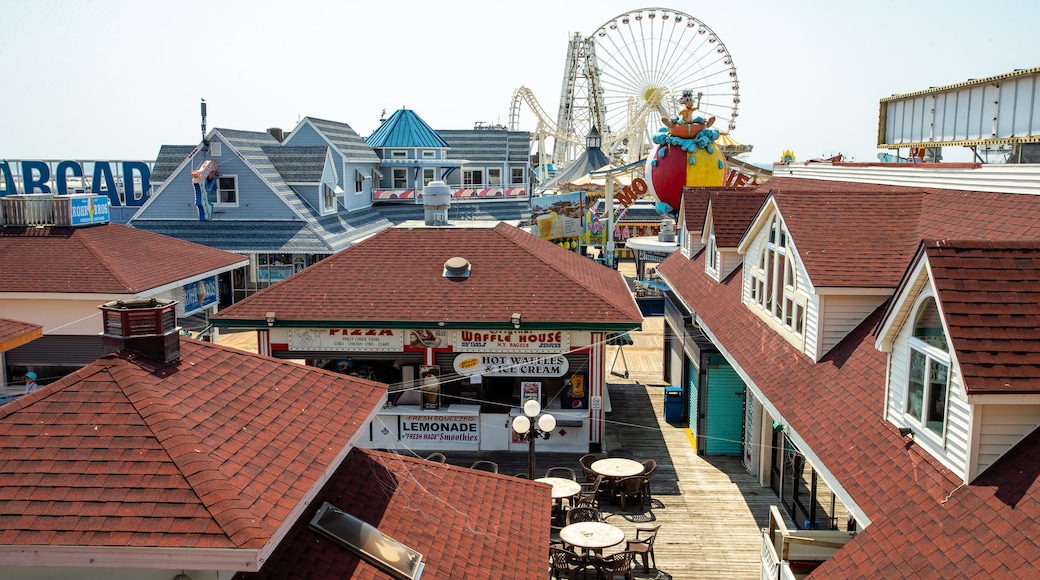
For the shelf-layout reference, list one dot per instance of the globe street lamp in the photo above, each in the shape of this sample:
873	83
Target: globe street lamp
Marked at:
530	429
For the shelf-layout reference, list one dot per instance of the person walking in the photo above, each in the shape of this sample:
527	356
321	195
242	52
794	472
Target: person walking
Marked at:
30	382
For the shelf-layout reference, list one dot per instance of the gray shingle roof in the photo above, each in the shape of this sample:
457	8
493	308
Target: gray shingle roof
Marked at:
169	159
344	138
298	164
510	211
487	145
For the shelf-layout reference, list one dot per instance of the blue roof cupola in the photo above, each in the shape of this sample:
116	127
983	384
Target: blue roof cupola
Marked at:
405	129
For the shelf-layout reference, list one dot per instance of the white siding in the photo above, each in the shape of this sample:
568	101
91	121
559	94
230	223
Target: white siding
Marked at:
953	450
1001	427
841	315
812	328
728	261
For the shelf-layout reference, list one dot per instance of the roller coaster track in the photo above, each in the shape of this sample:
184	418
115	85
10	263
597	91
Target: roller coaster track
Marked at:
547	127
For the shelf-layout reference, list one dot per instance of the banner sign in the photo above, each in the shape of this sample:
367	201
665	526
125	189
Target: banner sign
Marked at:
511	365
89	209
347	339
440	428
199	295
512	340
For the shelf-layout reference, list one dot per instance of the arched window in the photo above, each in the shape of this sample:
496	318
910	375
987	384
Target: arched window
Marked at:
928	383
774	281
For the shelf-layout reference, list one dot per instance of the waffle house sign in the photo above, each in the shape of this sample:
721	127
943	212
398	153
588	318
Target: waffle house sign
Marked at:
512	341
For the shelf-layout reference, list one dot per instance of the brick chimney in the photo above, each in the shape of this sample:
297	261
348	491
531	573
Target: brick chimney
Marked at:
147	327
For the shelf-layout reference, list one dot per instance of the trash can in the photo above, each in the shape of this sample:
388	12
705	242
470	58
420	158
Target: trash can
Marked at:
673	404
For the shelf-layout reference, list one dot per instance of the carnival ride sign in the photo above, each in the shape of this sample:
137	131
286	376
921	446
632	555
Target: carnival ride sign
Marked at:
512	341
347	339
511	365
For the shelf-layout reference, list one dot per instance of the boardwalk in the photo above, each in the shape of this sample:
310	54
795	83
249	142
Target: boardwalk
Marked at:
710	510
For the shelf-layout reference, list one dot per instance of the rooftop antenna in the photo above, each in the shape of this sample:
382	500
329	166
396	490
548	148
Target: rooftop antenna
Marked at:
205	143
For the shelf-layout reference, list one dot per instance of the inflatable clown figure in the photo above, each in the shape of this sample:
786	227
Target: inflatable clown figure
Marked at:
686	155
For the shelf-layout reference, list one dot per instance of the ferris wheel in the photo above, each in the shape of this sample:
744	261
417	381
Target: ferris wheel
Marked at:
645	60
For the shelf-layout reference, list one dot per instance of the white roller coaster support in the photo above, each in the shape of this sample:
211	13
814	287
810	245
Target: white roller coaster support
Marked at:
546	126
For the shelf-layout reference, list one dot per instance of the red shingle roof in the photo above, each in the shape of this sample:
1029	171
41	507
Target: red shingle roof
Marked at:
14	333
923	521
213	451
732	212
466	523
989	293
397	276
105	259
863	235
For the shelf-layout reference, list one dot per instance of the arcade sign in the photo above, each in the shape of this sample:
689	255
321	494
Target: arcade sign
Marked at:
115	179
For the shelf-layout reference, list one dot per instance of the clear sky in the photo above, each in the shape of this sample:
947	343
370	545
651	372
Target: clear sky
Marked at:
114	79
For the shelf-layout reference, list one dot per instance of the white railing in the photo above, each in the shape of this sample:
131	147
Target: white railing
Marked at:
45	209
806	548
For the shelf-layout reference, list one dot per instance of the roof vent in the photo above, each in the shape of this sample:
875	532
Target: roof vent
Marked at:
456	268
147	327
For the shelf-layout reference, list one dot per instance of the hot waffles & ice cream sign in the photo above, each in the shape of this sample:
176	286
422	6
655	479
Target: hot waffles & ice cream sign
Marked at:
347	339
512	341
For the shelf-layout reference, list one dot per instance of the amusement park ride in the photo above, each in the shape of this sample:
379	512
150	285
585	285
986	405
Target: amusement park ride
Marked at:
629	74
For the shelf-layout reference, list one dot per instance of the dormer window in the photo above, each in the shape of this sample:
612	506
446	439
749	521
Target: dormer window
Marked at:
712	253
928	383
774	281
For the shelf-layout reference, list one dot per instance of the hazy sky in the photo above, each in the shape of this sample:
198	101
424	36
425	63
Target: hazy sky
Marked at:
114	79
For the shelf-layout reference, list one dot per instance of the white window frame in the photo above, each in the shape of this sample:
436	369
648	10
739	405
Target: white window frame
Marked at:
774	282
469	174
934	358
403	172
428	174
494	176
398	154
328	199
238	194
429	154
359	182
711	262
516	176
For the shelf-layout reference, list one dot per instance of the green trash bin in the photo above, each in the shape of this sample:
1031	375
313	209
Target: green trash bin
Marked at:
673	404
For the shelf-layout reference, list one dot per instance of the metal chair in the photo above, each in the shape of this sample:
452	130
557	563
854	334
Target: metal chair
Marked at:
485	466
564	472
643	545
618	563
631	488
438	457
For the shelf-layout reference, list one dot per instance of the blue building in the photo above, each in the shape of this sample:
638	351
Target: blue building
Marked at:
288	200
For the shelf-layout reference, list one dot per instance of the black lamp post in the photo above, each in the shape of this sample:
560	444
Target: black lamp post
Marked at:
530	429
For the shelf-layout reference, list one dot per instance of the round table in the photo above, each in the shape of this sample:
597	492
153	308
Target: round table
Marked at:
592	535
561	487
616	467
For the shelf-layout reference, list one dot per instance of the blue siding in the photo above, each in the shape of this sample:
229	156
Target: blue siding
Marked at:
694	398
724	408
351	199
256	201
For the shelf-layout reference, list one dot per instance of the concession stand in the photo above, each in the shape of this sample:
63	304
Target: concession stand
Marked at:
463	324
